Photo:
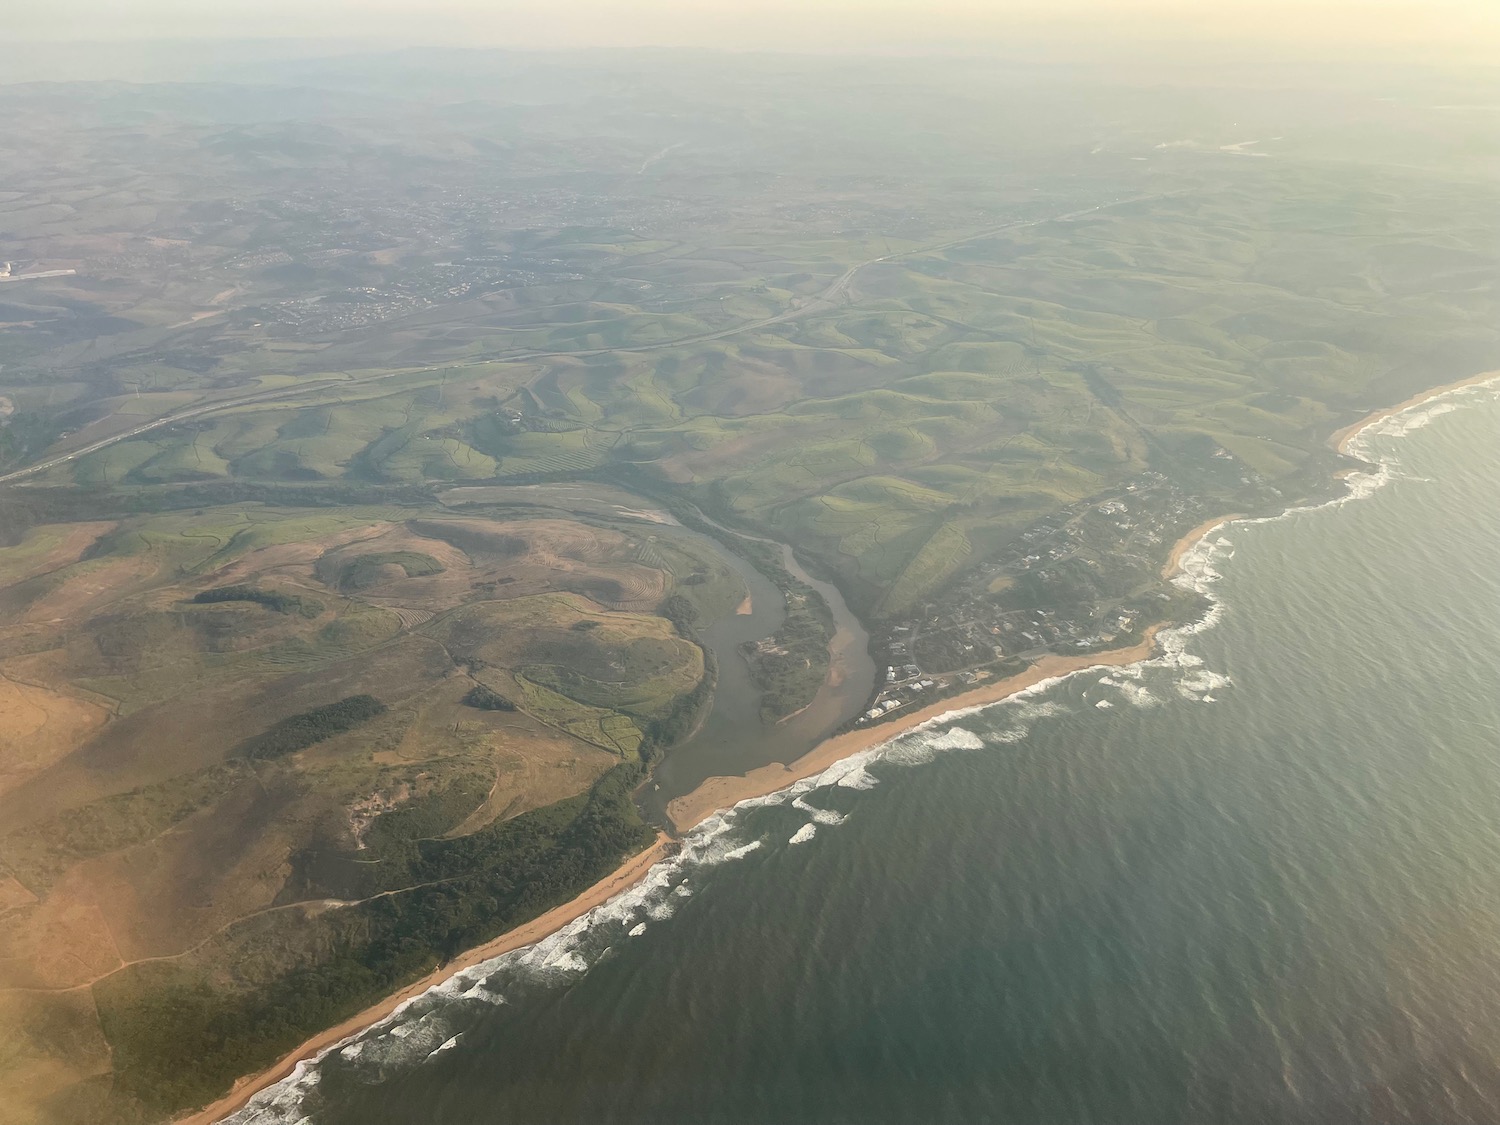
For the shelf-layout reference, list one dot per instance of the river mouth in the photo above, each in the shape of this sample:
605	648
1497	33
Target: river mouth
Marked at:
732	739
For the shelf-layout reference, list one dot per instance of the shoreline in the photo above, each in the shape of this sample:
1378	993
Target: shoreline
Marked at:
627	875
1342	439
713	795
719	793
1173	565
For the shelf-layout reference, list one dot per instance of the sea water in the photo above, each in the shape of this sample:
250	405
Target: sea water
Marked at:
1256	879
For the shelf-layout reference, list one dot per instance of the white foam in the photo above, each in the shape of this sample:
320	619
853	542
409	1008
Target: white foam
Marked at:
483	994
1199	683
955	738
857	778
804	834
819	816
638	929
569	962
1104	704
661	911
1008	737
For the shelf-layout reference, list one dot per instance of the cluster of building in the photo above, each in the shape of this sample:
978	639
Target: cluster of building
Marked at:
1074	580
899	693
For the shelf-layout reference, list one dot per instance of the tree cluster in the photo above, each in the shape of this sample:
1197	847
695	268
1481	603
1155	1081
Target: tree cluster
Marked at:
311	727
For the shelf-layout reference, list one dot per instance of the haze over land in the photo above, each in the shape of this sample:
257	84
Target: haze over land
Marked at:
400	448
1455	29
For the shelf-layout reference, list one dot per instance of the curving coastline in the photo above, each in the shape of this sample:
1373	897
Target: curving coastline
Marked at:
1173	565
631	872
719	793
1343	439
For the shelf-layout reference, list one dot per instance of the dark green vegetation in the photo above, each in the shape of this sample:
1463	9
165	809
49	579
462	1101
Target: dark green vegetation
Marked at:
682	613
183	1036
272	599
679	721
487	699
311	727
206	697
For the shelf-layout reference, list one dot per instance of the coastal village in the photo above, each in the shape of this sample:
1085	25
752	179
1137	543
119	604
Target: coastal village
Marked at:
1082	580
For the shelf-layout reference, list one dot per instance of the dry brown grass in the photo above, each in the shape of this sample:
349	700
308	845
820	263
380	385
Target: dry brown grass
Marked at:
63	544
38	727
113	682
535	766
527	557
291	558
62	942
52	1043
89	587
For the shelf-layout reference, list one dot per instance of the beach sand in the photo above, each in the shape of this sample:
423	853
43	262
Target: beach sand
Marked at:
1185	544
1343	438
627	876
721	792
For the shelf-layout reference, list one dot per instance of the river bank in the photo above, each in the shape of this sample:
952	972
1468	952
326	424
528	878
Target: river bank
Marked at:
1277	834
684	812
719	793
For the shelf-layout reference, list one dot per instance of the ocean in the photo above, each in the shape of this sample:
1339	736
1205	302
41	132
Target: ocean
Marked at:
1256	879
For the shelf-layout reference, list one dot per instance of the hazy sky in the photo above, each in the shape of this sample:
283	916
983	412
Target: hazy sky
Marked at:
1468	28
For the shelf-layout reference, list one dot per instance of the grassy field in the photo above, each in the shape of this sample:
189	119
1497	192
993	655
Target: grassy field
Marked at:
947	395
334	649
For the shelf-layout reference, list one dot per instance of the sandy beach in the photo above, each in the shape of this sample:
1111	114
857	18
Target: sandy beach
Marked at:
721	792
631	873
1185	544
1342	438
